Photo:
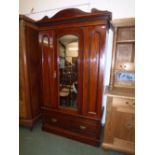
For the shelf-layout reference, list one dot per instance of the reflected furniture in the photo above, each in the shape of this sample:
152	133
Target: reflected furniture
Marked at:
119	131
29	73
72	49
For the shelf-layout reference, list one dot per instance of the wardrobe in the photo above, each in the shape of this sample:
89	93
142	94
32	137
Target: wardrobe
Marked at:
71	48
29	73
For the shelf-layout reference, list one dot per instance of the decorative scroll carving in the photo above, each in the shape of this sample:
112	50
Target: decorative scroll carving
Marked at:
74	13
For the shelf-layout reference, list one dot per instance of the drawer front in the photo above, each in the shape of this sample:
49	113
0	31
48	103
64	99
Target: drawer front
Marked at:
123	102
126	34
123	119
52	120
74	125
125	66
85	128
124	105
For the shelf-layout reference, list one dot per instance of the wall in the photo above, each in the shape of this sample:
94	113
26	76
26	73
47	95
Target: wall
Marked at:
37	9
119	8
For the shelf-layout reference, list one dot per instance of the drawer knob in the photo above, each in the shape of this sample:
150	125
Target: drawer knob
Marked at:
82	127
133	103
54	120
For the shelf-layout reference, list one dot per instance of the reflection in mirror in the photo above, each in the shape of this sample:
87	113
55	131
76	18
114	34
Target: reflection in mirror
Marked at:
68	47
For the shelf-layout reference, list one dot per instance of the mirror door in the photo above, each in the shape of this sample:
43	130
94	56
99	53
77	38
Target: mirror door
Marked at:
68	55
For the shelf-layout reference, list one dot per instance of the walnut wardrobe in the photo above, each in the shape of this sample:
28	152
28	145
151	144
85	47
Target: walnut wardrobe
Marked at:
29	73
72	61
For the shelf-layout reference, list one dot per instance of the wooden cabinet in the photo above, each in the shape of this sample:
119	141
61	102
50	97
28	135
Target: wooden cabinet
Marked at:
120	120
72	47
119	132
123	66
29	73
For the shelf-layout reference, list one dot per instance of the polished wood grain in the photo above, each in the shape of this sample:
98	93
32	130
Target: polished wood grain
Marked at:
74	24
80	125
46	68
74	14
71	135
93	70
34	69
83	123
29	73
22	85
39	70
60	123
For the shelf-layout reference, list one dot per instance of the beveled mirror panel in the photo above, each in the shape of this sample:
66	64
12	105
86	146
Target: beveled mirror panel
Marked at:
68	46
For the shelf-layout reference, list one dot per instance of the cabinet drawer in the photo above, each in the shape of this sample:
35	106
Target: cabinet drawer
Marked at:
126	34
125	66
52	120
123	119
85	128
73	125
126	103
124	79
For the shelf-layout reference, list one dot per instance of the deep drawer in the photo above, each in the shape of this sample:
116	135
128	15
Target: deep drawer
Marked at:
74	125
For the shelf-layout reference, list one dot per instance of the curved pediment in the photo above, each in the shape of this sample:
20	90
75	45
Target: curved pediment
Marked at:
68	13
74	13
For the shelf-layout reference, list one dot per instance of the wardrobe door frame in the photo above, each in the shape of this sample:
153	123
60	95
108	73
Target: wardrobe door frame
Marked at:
79	33
49	101
94	65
